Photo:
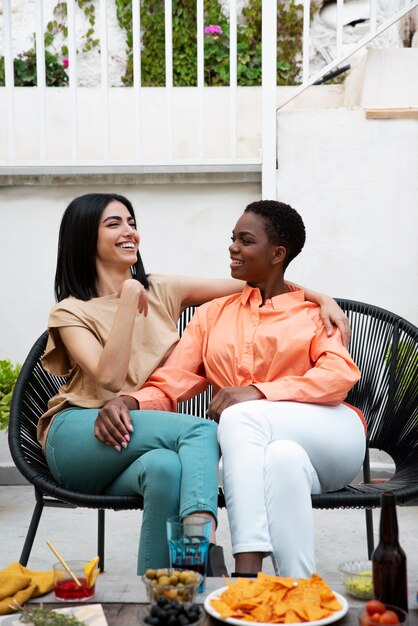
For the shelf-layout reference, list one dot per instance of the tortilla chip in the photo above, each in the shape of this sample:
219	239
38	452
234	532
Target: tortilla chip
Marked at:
292	618
262	613
224	609
315	613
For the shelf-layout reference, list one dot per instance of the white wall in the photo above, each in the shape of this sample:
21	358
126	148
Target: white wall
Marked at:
355	182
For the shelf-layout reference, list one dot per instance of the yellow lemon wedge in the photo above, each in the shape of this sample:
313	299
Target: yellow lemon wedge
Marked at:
91	571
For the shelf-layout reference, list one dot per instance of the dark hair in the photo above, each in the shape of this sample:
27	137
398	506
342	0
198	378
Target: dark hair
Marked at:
77	247
283	225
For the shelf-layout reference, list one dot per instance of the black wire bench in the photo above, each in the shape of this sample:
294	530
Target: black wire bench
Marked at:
384	346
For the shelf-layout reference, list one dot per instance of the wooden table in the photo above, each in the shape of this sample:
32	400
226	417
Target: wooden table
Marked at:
132	614
125	603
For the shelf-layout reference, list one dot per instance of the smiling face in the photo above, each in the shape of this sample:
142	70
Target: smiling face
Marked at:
253	258
117	237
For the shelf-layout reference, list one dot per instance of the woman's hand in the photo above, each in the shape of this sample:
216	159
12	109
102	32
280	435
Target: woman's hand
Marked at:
231	395
108	365
113	423
332	315
131	285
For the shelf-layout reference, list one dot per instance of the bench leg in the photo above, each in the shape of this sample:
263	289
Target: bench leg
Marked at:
101	537
369	532
33	527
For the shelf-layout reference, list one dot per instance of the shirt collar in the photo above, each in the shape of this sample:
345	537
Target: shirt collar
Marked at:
277	302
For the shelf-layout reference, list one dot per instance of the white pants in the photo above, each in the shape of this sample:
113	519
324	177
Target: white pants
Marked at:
275	455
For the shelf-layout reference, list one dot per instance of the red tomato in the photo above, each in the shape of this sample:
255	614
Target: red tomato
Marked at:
375	606
375	618
365	619
389	617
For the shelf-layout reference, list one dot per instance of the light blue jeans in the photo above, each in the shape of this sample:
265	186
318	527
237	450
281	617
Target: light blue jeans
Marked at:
171	460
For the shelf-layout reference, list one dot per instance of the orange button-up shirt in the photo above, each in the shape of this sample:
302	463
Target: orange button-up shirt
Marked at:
281	347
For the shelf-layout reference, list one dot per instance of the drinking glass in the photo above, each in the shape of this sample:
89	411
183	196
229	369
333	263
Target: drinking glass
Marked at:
66	588
188	543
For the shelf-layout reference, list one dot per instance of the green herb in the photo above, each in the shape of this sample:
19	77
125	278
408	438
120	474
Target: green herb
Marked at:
44	617
8	377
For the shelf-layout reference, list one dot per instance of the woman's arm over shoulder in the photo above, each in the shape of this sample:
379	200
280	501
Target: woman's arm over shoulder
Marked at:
332	315
199	290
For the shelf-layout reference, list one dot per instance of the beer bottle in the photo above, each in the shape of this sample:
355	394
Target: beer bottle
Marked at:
388	559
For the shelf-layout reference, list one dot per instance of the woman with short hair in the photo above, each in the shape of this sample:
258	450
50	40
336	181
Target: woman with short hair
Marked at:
279	384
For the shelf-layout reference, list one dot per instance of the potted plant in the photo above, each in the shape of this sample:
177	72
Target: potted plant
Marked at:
8	377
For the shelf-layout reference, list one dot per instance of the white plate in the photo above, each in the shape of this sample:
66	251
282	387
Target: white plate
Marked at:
239	622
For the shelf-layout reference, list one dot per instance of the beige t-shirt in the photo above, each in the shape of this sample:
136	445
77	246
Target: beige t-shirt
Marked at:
154	337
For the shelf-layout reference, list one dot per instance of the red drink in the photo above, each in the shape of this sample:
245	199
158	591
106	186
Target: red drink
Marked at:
189	562
67	590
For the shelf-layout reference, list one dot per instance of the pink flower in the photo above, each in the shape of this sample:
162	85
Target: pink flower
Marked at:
65	62
213	30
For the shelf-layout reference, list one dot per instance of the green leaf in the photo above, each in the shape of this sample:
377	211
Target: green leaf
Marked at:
8	376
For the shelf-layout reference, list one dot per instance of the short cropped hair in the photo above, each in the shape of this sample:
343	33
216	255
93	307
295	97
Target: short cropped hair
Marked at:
283	225
77	246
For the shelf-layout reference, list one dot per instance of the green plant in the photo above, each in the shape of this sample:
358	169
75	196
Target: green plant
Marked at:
58	26
56	60
216	44
184	43
153	42
406	367
89	10
289	38
8	377
2	75
152	26
184	20
25	70
248	46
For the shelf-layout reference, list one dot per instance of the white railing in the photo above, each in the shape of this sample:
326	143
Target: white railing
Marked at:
167	126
